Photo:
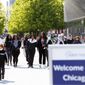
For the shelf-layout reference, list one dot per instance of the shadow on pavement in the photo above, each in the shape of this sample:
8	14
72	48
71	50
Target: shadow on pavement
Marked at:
6	81
35	66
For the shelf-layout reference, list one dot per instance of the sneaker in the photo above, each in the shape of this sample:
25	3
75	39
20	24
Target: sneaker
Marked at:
31	66
15	65
40	66
43	66
47	64
10	64
2	76
7	64
28	66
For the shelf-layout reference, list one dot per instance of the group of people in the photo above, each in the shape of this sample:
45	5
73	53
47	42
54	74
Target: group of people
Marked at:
30	44
59	37
10	49
41	43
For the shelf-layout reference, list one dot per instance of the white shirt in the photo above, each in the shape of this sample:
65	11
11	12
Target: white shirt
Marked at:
60	38
32	41
2	41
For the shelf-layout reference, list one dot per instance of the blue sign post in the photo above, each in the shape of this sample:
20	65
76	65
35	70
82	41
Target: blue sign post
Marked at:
67	64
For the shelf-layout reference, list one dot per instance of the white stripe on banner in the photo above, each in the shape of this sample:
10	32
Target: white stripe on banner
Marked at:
68	52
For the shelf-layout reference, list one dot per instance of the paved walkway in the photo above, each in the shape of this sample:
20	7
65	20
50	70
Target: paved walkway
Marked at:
22	75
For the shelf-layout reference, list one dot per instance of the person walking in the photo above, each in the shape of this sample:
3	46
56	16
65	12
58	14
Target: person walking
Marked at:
42	48
26	48
60	37
16	49
49	42
31	45
3	59
8	45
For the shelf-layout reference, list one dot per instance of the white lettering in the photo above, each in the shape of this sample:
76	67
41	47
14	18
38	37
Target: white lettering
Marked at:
68	68
74	78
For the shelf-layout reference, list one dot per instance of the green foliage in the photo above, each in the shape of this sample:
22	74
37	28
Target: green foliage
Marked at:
2	19
34	15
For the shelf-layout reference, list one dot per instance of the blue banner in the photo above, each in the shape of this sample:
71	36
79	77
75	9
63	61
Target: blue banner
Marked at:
68	72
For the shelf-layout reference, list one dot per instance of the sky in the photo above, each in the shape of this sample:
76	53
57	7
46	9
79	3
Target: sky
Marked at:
3	2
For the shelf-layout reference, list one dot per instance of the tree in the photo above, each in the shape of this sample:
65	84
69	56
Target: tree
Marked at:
45	14
2	18
34	15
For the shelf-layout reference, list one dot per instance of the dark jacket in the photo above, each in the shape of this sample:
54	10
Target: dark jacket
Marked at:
8	45
3	57
39	44
31	45
77	42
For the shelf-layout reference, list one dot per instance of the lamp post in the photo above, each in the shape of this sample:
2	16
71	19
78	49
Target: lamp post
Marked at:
7	14
82	22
